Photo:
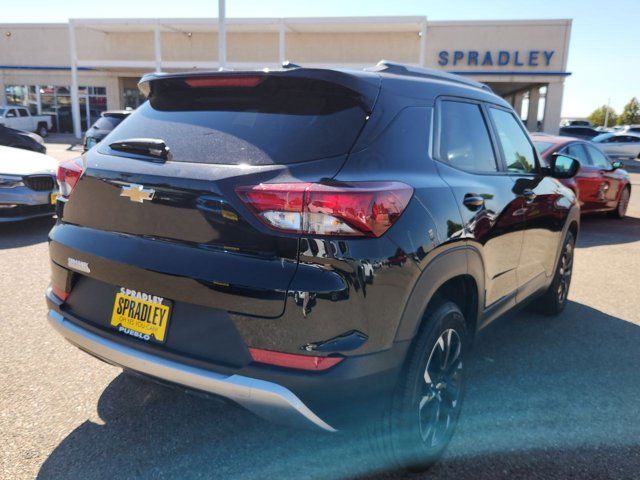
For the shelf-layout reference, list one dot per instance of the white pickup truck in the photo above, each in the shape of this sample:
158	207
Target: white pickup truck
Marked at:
21	119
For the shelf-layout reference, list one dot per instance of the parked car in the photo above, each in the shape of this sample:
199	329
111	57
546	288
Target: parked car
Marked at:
576	123
619	145
103	126
601	185
10	137
176	253
579	132
633	129
20	118
27	184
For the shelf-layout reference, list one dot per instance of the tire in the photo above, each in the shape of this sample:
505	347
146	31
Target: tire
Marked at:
43	131
555	298
421	418
623	204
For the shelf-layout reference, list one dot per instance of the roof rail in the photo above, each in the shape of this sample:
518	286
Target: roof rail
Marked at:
411	71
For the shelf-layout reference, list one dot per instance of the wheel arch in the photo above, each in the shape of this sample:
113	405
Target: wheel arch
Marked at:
457	275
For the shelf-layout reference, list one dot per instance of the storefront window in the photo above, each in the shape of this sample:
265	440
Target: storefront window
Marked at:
56	102
131	96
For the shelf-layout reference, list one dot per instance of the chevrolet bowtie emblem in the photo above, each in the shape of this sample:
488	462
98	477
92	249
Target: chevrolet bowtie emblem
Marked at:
137	193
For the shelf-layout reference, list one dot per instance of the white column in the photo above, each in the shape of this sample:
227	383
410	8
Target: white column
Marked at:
158	47
222	37
423	43
553	108
3	96
517	103
75	103
532	116
281	43
38	100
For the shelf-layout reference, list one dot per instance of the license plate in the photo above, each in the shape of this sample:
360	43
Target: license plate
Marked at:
54	197
141	315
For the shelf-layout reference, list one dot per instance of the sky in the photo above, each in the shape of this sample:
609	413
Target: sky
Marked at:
604	56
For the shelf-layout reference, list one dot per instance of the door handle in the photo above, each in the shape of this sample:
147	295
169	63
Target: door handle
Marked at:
473	201
529	195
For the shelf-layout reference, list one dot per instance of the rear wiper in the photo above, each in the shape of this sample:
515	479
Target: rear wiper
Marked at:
148	147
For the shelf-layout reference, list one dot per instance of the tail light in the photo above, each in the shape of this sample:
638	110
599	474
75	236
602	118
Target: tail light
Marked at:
69	173
363	209
292	360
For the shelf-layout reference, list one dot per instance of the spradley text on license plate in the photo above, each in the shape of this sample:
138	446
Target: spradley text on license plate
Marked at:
140	315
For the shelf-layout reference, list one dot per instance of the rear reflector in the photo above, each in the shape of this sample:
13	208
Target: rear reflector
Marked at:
61	294
291	360
69	173
346	209
218	82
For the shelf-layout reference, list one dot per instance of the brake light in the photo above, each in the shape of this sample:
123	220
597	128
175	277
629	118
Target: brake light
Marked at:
291	360
347	209
220	81
69	173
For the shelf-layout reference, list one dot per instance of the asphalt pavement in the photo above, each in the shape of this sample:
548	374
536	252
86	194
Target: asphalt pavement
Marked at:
548	398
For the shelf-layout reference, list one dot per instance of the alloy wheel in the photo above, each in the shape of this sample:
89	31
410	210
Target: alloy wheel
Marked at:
566	268
441	390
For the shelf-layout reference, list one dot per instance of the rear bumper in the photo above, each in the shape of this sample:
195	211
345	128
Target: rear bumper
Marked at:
266	399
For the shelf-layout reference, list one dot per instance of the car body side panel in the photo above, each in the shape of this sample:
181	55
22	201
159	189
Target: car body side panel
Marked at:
545	218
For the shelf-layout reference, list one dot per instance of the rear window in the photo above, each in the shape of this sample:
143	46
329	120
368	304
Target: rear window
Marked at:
107	123
278	121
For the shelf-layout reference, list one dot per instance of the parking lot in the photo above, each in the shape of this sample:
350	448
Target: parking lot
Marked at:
547	397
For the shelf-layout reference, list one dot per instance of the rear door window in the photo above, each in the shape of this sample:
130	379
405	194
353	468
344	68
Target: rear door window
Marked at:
464	137
578	151
598	158
519	153
279	120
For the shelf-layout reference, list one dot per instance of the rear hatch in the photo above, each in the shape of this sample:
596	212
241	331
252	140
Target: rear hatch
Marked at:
156	208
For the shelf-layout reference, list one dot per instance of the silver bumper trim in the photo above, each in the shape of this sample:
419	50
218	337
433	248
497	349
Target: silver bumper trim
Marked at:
266	399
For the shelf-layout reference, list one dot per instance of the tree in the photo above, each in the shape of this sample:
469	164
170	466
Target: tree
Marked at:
597	117
631	113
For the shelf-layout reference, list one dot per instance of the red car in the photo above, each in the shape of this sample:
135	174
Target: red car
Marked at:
600	185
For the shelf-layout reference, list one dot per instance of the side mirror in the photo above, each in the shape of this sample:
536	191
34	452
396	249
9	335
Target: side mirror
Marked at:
616	165
563	166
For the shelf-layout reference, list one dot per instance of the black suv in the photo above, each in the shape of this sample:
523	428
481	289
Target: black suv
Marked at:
320	246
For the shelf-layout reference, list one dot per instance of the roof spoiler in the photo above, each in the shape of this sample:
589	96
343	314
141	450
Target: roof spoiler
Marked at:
366	85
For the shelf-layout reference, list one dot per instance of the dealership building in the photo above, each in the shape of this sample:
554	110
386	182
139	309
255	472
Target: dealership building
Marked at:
73	71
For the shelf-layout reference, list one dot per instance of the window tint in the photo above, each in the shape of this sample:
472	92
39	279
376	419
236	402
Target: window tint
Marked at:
23	112
518	152
107	123
542	146
634	130
464	138
278	121
579	152
598	158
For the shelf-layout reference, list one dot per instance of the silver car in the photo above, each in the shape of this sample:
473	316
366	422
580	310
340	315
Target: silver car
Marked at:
28	186
619	145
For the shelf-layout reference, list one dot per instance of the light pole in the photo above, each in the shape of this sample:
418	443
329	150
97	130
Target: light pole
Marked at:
606	113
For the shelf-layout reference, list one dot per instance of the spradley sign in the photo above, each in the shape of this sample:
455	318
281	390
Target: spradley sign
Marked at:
500	58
